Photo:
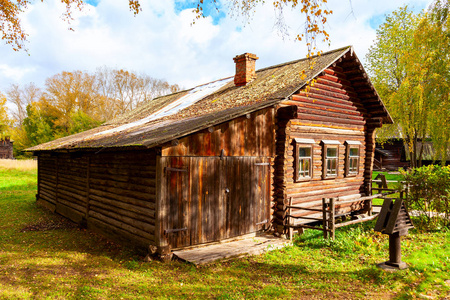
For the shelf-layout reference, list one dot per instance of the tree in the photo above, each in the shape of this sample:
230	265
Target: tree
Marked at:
5	122
409	66
21	98
433	41
77	101
388	66
10	11
313	11
38	125
123	90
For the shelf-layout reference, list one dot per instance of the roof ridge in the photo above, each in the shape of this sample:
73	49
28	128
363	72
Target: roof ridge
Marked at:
303	59
263	69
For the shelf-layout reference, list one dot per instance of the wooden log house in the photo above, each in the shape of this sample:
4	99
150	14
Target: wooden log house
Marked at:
223	159
6	148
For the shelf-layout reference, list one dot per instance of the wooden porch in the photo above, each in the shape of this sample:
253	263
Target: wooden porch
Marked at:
228	250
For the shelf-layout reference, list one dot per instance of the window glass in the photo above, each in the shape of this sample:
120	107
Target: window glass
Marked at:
353	160
331	161
303	159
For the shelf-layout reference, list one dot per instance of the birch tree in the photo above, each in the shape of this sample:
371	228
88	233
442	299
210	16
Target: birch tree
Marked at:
409	66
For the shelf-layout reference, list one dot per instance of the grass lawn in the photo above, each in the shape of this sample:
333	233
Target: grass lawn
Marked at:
44	257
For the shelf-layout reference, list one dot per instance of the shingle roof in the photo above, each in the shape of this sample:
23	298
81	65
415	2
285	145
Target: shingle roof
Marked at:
152	124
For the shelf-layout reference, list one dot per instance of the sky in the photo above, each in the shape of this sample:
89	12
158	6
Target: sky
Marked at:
162	42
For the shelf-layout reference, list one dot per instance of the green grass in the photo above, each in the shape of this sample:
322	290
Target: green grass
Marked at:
70	263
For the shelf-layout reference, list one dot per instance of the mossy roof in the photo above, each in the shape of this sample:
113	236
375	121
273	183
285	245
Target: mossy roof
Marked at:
271	86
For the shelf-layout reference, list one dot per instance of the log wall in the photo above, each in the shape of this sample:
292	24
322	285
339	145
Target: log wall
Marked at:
330	110
215	184
112	192
251	135
6	148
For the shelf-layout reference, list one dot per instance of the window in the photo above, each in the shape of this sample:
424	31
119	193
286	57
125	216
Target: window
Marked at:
330	159
352	158
303	159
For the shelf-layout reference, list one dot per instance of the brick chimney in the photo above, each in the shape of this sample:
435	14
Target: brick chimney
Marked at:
245	68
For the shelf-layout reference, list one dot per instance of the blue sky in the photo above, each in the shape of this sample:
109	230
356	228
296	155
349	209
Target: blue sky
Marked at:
162	42
211	9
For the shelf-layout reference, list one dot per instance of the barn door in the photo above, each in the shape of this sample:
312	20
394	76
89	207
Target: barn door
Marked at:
247	197
175	208
209	199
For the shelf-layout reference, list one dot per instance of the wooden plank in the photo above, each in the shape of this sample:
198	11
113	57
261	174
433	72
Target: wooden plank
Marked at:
124	185
147	216
69	212
232	249
120	225
123	205
137	202
149	228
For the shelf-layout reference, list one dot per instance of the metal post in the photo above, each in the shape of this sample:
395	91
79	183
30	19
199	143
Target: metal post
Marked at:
395	254
395	250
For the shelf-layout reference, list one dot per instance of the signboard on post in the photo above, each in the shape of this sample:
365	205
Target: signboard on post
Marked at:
394	221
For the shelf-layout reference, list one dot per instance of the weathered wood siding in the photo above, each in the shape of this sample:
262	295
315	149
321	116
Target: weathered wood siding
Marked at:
207	199
112	192
330	110
216	184
47	174
251	135
395	157
6	148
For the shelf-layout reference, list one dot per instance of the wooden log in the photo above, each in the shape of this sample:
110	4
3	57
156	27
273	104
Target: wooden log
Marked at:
324	217
148	204
47	204
74	179
124	185
134	180
126	206
71	204
51	194
124	192
124	172
81	198
47	198
119	235
119	225
331	220
48	186
144	215
325	120
49	176
72	184
69	212
147	227
356	221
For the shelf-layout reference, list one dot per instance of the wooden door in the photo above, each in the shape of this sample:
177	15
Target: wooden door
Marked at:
247	195
209	199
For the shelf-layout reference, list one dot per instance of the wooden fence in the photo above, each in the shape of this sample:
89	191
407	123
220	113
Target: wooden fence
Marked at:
327	221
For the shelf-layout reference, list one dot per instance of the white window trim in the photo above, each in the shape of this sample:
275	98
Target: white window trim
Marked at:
326	144
349	145
298	144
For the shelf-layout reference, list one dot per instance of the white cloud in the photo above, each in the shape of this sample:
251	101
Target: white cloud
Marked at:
163	44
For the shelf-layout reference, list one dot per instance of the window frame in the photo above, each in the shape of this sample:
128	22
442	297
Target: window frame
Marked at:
327	144
303	143
348	146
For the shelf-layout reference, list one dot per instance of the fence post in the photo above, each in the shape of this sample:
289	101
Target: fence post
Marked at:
290	230
324	215
332	208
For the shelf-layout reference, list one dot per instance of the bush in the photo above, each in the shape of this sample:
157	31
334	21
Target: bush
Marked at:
429	193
